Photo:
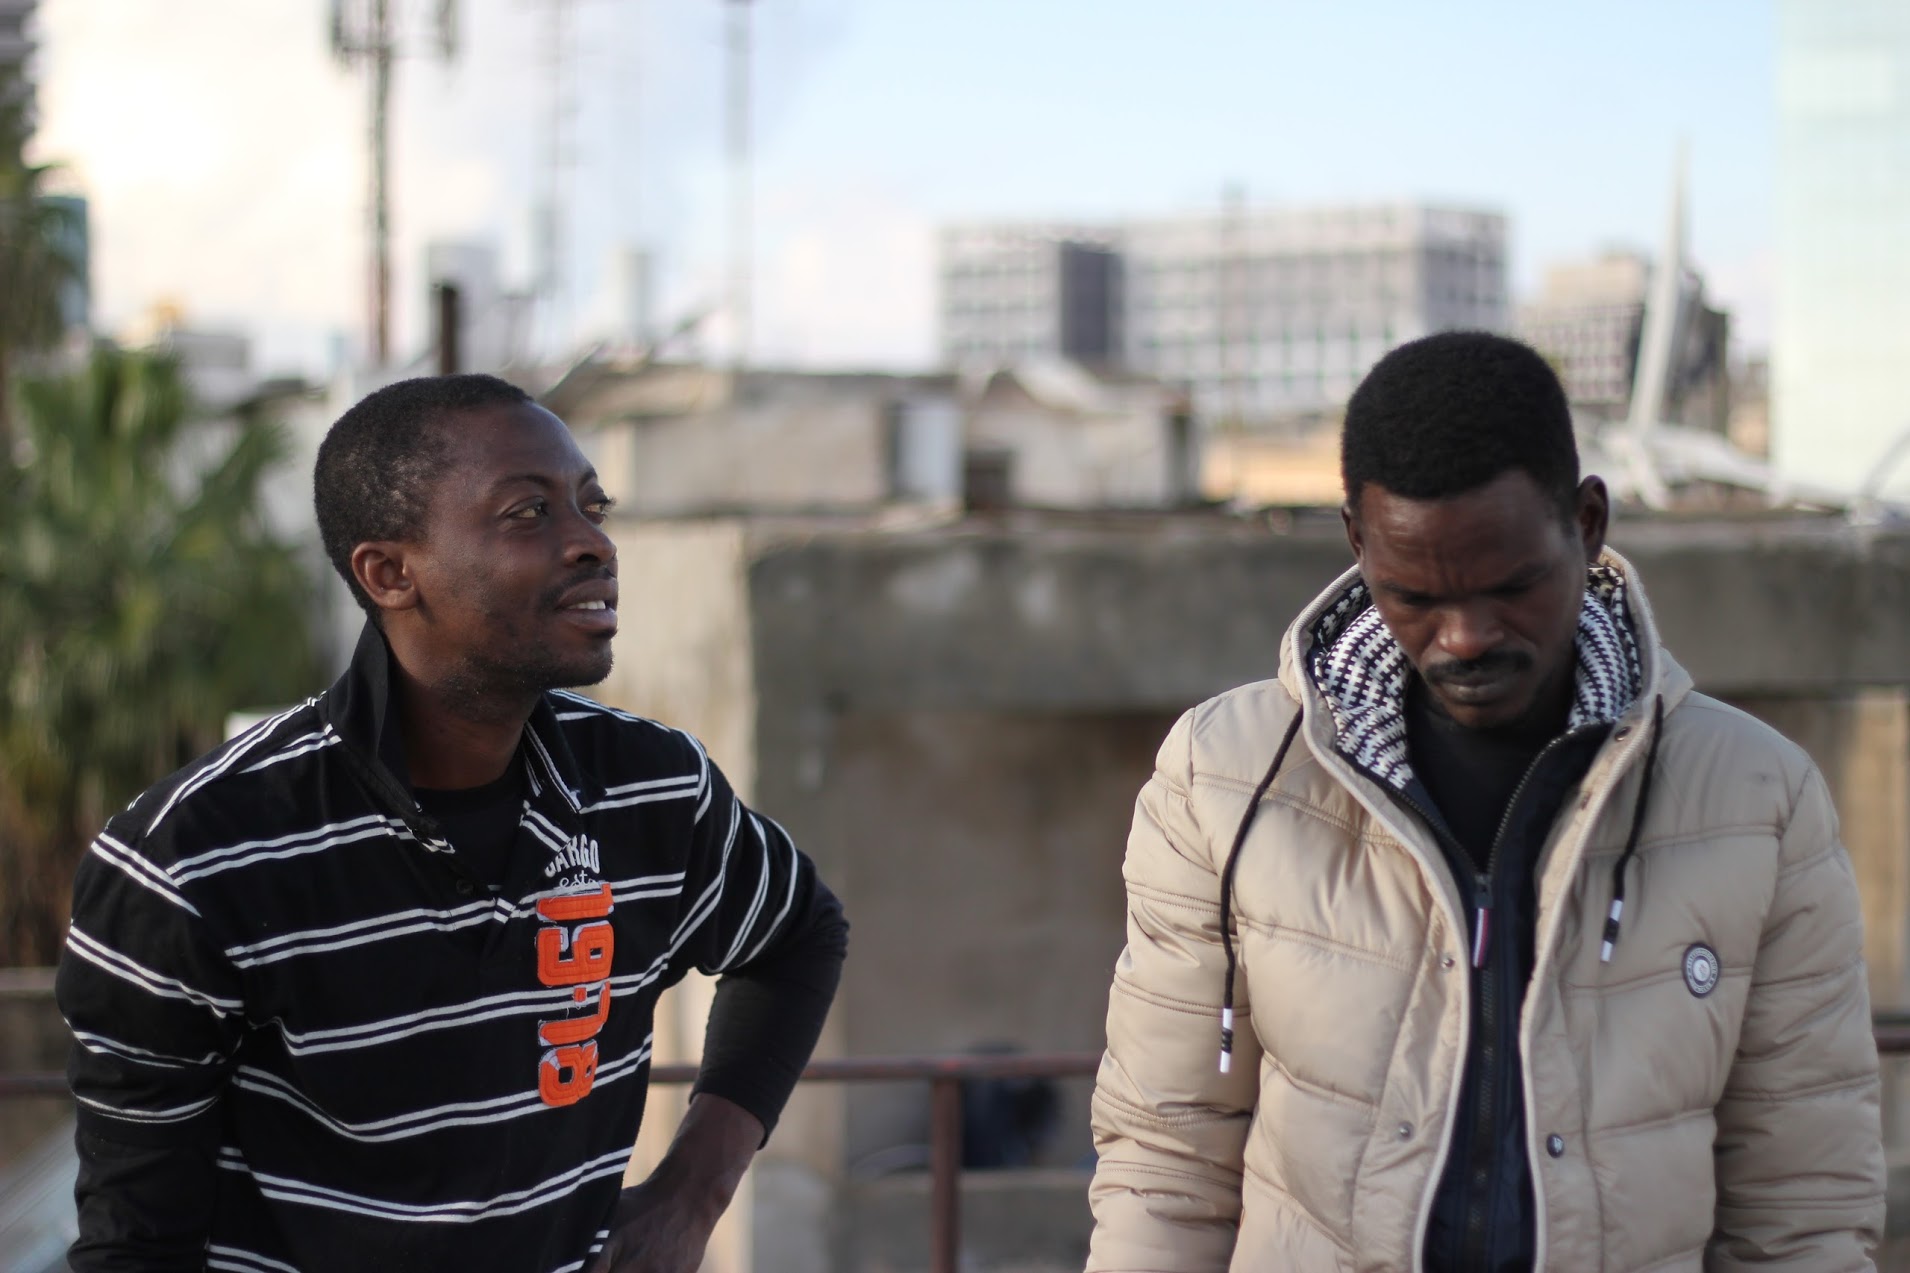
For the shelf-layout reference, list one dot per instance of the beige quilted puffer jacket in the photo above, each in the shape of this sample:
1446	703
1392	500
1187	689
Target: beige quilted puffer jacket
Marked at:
1667	1130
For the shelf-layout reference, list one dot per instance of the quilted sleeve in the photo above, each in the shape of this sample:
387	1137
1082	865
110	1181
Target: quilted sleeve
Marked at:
1800	1167
1169	1127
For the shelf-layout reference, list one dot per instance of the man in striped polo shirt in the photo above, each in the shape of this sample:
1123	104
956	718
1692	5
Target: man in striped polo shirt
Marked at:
371	986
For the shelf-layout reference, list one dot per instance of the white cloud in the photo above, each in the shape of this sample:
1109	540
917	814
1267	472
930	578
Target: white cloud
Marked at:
846	277
225	155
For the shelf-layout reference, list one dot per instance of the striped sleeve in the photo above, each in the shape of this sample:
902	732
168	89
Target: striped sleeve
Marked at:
743	880
154	1006
776	935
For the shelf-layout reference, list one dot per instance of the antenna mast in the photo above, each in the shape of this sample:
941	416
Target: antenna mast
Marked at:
372	40
738	116
553	219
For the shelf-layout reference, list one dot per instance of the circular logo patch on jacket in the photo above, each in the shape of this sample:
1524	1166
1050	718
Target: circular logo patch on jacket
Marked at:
1701	969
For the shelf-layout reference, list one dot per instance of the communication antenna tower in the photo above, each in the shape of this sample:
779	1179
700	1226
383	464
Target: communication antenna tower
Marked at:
560	155
365	33
737	110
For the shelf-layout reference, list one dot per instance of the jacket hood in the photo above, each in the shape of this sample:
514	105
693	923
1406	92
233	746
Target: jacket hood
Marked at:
1339	661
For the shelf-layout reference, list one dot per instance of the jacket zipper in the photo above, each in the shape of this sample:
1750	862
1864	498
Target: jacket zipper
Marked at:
1478	1184
1479	1168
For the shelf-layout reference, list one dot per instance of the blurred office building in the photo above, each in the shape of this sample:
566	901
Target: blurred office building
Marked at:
1017	290
76	244
70	227
1589	319
1262	315
1841	333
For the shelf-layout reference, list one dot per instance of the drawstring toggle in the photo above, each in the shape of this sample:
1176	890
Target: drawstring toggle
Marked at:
1611	930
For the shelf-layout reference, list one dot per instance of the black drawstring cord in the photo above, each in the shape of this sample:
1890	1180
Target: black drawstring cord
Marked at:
1227	893
1631	841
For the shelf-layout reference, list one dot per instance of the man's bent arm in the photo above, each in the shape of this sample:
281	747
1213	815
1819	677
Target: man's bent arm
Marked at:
1170	1129
1799	1149
766	1016
155	1013
776	936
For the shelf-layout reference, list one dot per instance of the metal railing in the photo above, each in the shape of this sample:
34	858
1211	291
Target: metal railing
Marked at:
945	1076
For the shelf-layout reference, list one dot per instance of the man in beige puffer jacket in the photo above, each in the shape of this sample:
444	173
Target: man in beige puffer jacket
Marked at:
1544	959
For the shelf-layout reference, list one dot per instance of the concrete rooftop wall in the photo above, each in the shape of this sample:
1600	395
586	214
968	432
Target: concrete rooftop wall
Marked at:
1162	613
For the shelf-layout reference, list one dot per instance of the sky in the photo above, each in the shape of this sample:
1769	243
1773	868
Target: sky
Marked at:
225	154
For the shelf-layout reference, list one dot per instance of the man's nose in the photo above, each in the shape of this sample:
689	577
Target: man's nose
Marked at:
590	542
1469	632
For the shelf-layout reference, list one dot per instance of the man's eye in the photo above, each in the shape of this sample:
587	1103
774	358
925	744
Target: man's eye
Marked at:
530	511
600	508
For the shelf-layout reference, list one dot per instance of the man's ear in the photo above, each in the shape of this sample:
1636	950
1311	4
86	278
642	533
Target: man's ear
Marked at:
1351	520
381	570
1593	515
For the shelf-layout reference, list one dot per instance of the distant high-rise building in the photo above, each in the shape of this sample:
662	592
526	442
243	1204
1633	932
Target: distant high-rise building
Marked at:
1588	320
1261	313
1841	331
1017	291
76	244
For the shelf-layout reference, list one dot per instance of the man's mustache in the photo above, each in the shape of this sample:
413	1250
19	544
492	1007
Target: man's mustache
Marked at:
590	574
1487	666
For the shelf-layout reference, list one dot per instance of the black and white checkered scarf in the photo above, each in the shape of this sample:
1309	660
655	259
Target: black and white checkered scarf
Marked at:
1362	672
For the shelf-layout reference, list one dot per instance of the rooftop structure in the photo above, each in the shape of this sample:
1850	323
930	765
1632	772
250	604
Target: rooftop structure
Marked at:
687	440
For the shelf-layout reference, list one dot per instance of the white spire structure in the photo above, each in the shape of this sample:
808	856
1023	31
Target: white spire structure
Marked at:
1664	320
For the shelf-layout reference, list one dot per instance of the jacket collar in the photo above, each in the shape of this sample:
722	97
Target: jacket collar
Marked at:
359	707
1339	660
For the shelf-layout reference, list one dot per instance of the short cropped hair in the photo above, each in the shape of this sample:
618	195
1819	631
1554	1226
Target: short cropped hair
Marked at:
1448	413
378	462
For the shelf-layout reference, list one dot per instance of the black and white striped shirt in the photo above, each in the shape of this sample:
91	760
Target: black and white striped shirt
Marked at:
308	1036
